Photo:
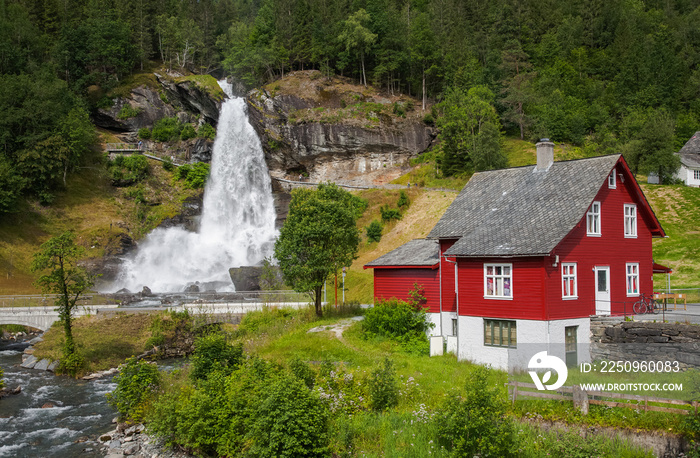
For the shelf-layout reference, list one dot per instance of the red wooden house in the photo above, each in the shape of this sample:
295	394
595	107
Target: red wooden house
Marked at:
528	254
415	262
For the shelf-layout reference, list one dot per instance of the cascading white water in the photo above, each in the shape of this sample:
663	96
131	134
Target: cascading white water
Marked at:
238	217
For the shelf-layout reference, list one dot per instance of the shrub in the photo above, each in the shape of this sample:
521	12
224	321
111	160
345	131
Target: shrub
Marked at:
127	112
383	387
290	421
476	424
166	129
399	110
389	214
303	372
394	318
257	410
404	201
135	383
2	380
187	133
127	170
207	131
359	204
145	133
374	231
168	165
428	119
195	176
211	353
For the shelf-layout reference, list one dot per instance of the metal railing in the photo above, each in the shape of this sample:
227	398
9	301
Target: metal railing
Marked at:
48	300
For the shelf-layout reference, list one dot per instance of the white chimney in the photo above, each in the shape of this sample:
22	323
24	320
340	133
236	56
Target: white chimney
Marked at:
545	155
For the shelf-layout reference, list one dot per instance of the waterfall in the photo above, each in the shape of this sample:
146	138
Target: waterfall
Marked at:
238	217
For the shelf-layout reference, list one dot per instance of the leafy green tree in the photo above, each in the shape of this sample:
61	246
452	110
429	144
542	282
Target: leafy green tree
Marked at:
469	131
58	262
319	237
357	38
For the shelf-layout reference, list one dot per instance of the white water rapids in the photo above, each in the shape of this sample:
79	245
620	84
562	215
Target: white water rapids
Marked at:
238	217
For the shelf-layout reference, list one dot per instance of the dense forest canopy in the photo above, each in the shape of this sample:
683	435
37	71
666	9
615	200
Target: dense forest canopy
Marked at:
607	75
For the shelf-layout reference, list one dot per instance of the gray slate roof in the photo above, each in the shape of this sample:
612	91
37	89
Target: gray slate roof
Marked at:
418	252
690	153
520	212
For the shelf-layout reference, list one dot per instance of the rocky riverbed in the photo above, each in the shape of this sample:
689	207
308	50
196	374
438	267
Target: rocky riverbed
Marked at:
132	441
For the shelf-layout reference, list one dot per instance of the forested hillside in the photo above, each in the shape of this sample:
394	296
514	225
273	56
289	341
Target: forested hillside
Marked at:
609	76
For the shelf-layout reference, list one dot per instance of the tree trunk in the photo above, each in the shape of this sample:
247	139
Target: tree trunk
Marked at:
364	77
424	91
317	300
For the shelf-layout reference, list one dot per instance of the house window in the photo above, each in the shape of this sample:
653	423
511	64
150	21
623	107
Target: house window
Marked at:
454	326
500	333
568	278
612	181
593	219
630	220
498	280
696	174
633	279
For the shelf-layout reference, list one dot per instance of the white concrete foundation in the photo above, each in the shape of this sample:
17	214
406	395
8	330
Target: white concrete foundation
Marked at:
532	337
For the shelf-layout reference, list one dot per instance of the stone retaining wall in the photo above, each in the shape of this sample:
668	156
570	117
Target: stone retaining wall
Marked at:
616	340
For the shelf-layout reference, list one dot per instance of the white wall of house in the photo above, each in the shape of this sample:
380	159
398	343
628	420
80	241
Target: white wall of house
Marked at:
446	319
435	319
688	176
532	336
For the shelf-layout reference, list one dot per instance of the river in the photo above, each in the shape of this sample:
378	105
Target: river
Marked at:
69	429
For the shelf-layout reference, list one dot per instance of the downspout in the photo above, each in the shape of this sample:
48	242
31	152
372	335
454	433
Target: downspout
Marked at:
456	290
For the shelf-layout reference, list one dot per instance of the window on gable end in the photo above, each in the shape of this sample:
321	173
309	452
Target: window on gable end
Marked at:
630	220
593	219
612	180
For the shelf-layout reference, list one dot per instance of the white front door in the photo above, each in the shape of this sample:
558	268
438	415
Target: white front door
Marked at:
602	290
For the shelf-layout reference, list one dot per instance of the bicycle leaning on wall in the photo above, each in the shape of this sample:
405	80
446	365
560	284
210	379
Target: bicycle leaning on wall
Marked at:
646	304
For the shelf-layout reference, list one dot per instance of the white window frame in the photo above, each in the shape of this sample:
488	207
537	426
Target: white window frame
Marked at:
500	280
501	325
593	220
612	180
630	220
632	278
569	280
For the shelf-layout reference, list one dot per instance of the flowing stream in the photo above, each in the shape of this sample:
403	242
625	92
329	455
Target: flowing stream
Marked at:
238	217
80	412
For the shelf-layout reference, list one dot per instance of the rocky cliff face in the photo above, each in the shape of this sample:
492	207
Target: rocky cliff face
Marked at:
162	98
334	130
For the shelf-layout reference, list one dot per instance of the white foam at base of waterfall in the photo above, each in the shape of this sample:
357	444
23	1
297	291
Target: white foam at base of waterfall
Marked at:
237	224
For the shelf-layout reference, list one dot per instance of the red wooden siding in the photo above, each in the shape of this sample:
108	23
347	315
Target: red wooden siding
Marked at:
527	286
397	283
447	269
610	249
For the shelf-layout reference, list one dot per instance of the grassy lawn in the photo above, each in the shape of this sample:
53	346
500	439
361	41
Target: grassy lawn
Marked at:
424	212
678	209
425	386
104	343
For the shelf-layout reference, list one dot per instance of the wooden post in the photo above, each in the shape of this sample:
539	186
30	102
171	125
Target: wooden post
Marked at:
580	399
336	289
515	391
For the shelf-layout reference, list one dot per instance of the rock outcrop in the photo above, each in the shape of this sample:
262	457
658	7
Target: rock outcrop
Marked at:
333	130
161	98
